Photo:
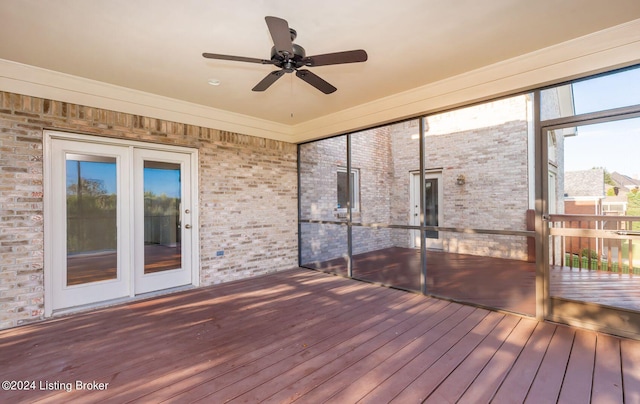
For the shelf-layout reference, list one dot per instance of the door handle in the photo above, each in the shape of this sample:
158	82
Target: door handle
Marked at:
187	226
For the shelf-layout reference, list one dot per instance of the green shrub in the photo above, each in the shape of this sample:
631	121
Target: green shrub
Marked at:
589	253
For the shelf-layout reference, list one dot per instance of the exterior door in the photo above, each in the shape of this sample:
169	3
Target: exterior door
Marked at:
162	220
593	211
432	212
120	222
89	241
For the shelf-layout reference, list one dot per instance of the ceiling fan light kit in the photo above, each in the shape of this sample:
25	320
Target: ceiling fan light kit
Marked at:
290	57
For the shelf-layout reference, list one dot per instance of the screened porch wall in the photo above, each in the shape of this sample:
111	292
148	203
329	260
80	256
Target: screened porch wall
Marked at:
489	145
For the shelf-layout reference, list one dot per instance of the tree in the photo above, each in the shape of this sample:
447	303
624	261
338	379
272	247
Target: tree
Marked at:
633	206
91	216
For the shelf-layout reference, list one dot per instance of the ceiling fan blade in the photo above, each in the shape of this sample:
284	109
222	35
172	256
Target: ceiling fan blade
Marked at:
280	34
268	80
236	58
315	81
336	58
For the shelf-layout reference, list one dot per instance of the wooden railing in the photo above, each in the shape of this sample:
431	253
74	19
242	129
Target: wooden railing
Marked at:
595	242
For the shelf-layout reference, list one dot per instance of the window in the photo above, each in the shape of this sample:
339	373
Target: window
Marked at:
343	197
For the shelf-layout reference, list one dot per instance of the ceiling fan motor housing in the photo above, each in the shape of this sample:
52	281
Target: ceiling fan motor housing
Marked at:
290	62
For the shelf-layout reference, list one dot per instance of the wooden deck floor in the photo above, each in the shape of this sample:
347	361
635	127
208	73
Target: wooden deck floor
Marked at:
601	287
493	282
309	337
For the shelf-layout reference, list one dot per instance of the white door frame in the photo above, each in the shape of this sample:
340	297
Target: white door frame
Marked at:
50	210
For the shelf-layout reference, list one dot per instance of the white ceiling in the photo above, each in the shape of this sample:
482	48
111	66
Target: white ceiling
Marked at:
155	46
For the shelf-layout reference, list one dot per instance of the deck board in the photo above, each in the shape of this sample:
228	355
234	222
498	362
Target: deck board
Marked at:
282	369
171	331
548	381
253	349
516	385
343	354
394	385
454	386
362	386
490	378
426	382
330	381
607	379
306	336
352	363
577	384
630	356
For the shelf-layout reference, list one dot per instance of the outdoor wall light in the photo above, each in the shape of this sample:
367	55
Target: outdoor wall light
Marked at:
461	180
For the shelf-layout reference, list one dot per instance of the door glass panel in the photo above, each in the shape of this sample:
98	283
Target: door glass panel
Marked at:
431	198
594	250
91	200
162	227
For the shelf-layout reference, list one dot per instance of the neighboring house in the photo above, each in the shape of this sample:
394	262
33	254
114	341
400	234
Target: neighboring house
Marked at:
617	201
615	204
584	193
624	181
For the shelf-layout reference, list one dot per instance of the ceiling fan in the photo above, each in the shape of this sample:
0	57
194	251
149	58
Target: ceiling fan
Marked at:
290	57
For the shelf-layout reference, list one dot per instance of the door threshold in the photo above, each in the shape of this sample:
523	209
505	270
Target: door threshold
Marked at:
115	302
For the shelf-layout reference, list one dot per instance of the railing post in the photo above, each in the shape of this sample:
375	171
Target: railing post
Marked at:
630	257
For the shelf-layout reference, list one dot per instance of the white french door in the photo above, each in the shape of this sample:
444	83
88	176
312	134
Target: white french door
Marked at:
90	243
162	219
119	221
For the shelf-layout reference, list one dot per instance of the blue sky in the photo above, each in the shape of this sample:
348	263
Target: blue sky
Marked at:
612	91
161	181
158	181
102	172
612	145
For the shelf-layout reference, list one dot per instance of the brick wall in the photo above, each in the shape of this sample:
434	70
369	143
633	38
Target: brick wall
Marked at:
488	144
248	195
319	163
383	158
